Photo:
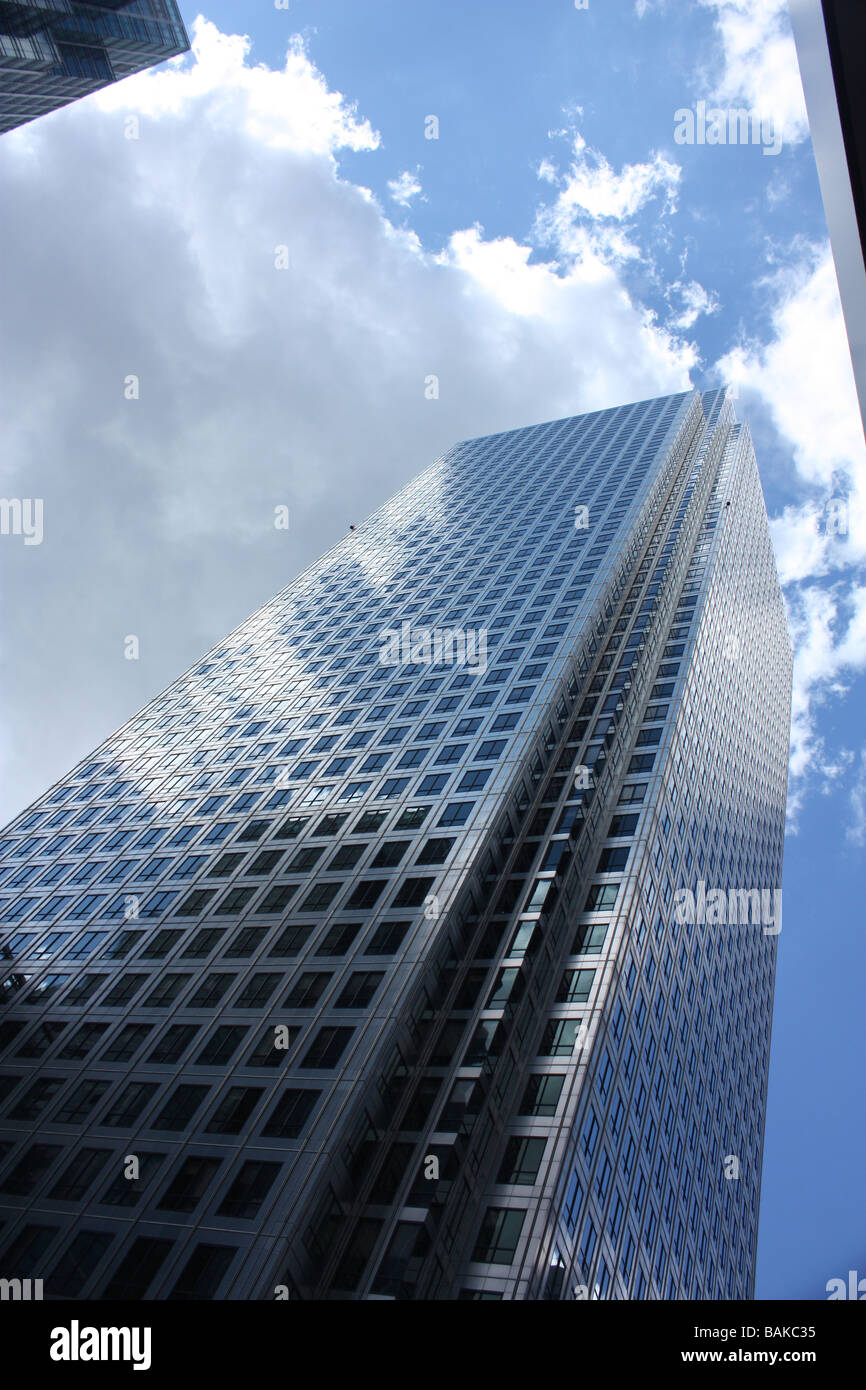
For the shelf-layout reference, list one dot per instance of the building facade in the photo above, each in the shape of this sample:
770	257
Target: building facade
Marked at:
55	51
419	942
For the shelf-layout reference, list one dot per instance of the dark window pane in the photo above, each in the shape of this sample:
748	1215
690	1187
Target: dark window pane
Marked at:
203	1272
135	1274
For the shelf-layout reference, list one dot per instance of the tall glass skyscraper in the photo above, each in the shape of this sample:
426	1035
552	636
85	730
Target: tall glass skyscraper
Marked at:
419	942
54	51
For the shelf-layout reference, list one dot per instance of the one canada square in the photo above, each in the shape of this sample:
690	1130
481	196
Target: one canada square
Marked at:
419	942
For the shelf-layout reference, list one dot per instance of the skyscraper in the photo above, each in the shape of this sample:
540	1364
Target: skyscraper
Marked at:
54	51
419	942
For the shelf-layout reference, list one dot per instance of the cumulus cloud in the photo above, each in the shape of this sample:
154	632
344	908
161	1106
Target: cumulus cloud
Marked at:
593	187
591	223
802	377
279	329
691	301
404	188
292	109
828	627
759	64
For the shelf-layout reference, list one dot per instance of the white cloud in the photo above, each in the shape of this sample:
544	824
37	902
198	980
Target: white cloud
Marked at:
800	547
760	64
589	223
593	187
828	627
694	303
802	377
804	372
291	109
404	188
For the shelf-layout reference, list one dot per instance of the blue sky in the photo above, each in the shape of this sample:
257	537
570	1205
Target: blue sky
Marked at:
555	250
